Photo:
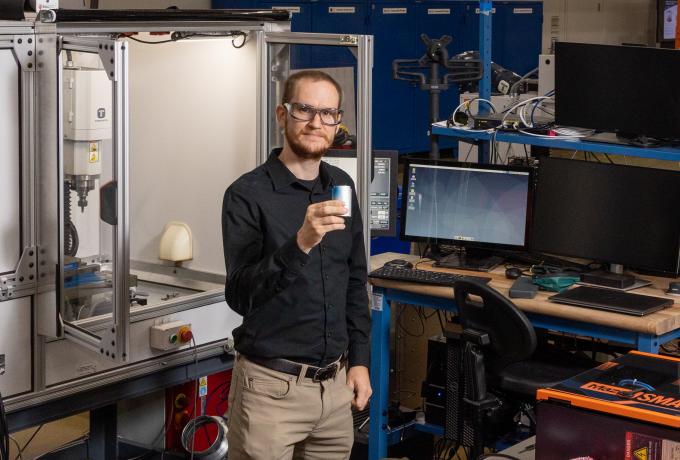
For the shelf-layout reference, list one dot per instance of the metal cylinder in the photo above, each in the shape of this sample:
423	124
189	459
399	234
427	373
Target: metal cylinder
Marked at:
344	194
218	449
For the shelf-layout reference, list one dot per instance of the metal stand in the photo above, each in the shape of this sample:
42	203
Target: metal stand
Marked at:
436	55
103	433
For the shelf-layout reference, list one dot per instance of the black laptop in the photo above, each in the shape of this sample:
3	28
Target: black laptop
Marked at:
612	300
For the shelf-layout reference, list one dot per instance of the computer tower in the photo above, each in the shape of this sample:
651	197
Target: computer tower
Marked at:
434	386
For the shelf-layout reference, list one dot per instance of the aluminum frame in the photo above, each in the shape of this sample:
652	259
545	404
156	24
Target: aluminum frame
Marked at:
41	112
363	44
112	343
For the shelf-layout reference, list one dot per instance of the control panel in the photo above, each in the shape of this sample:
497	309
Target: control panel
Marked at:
169	336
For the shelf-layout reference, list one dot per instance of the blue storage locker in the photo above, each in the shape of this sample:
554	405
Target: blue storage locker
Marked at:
519	28
516	33
437	19
471	24
236	4
301	17
337	18
393	26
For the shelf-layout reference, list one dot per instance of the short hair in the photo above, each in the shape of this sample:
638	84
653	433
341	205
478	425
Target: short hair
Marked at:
291	83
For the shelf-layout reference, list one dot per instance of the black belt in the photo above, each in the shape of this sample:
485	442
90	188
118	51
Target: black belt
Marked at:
317	374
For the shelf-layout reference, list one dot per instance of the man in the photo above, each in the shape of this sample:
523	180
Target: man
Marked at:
297	274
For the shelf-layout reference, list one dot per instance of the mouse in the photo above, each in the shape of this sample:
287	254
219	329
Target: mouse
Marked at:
399	263
513	273
674	287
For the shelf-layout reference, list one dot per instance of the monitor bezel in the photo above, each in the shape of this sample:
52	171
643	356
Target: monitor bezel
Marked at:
664	272
467	165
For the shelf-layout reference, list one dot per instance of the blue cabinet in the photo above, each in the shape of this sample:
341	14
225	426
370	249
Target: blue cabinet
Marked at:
518	28
337	18
437	19
300	21
393	26
236	4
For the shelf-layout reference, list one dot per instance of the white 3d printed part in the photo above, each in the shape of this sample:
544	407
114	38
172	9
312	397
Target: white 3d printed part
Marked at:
176	242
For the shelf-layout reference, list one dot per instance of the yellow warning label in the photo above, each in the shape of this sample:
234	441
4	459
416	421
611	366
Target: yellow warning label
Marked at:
203	381
94	153
642	453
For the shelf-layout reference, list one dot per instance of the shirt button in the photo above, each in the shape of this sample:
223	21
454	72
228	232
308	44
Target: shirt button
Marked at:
329	334
330	305
325	277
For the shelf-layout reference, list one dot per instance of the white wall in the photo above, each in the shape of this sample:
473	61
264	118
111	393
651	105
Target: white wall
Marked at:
192	133
599	21
10	217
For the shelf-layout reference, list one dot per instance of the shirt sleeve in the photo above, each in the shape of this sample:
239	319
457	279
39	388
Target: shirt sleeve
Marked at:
358	318
253	278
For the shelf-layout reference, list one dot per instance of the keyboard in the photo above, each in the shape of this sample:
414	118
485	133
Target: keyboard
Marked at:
412	275
612	300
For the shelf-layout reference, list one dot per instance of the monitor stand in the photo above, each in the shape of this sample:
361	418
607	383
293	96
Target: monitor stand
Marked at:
465	258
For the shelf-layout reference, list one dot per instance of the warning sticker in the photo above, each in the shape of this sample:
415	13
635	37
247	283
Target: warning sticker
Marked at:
376	301
94	153
203	387
645	447
642	453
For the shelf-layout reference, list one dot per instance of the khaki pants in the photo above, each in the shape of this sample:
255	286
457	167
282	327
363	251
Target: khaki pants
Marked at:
277	416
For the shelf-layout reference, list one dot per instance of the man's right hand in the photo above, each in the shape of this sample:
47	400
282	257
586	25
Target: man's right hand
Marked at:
320	219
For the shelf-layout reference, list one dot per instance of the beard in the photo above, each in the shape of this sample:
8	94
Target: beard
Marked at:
305	151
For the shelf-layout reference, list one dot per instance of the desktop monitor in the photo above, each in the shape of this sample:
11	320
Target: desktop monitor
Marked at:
630	90
466	205
382	189
667	20
609	213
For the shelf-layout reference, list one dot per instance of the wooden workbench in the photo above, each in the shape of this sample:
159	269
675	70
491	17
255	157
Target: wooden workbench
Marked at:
657	324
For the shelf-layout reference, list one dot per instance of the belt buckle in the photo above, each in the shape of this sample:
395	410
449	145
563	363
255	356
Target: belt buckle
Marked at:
325	373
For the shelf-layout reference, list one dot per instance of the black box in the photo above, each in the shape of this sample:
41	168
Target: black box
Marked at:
608	279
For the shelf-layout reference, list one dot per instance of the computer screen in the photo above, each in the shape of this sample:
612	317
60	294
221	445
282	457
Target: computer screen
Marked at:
609	213
668	16
629	90
382	190
466	204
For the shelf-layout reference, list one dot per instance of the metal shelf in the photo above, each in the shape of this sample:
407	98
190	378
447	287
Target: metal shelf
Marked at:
658	153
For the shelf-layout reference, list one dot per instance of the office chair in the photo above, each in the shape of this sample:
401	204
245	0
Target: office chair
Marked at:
497	350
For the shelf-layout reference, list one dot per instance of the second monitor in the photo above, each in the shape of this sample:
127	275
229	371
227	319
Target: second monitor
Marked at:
470	207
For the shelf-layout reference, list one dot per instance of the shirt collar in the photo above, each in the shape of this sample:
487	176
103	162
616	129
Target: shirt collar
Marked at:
282	177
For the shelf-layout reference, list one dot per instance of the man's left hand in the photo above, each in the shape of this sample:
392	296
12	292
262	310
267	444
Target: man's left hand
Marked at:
359	382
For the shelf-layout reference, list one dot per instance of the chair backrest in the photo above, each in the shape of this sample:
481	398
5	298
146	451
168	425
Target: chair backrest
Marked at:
511	334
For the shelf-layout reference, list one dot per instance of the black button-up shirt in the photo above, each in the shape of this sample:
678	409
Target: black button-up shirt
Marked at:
308	308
